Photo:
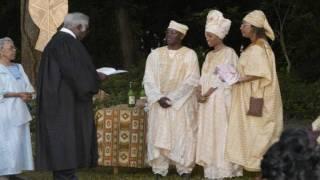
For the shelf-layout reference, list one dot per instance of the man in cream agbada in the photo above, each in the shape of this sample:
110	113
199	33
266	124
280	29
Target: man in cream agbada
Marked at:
171	75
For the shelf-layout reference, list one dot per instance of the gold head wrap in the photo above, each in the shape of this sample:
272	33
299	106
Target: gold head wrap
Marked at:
258	19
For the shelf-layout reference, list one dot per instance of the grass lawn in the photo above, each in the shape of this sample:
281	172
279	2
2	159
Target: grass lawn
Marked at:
106	173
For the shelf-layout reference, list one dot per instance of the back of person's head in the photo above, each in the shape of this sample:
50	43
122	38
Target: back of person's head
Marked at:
291	158
272	165
315	163
74	19
295	142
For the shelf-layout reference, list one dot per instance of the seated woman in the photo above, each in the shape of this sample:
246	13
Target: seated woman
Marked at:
15	91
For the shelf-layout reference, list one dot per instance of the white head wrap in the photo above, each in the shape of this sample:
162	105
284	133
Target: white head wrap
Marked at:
179	27
258	19
217	24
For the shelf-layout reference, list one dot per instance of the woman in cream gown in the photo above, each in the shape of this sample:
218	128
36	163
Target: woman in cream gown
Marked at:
249	137
214	97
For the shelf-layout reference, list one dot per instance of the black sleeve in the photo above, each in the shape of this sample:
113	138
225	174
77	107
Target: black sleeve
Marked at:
77	69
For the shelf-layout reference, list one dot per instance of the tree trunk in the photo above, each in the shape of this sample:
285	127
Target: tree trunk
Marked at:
30	57
126	41
285	52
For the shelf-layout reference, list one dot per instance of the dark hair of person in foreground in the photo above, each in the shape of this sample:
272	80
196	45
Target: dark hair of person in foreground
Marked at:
293	157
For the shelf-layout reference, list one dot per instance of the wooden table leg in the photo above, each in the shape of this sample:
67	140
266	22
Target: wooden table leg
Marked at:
115	170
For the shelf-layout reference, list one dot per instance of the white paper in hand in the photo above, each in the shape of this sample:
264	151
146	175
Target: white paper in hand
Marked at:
110	71
227	73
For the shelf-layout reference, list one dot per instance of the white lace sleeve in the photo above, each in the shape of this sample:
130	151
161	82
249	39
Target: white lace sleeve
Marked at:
150	84
3	90
29	87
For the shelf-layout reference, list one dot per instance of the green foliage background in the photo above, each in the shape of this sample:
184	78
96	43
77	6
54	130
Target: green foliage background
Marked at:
148	20
299	88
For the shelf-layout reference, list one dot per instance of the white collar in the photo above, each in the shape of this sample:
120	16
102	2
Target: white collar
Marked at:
69	32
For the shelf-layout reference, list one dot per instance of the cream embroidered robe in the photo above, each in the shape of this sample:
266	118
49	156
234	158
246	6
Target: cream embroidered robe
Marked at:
213	118
172	131
250	137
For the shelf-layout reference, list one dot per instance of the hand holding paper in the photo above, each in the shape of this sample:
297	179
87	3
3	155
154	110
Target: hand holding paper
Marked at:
227	73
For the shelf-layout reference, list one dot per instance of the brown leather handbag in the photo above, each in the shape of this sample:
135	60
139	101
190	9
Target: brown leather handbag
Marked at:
255	105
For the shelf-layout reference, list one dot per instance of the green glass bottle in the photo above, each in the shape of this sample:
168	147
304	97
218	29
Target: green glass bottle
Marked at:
142	94
131	96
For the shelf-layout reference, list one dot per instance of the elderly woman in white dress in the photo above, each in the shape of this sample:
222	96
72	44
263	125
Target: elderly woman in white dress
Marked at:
15	91
214	97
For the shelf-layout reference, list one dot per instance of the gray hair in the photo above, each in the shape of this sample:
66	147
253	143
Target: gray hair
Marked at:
4	40
74	19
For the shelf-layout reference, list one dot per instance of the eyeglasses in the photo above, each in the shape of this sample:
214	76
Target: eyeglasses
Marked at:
9	48
244	24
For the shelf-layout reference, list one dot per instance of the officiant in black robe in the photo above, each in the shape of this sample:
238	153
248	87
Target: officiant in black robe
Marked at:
67	80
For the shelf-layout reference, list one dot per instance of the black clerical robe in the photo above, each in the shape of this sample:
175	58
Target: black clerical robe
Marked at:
67	80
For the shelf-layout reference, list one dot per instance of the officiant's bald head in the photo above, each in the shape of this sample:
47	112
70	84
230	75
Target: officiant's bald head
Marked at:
78	23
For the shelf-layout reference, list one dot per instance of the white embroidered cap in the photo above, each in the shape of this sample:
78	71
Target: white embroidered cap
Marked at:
178	26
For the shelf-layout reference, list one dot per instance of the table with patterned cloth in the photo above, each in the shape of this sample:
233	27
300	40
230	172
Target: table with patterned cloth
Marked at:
121	132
